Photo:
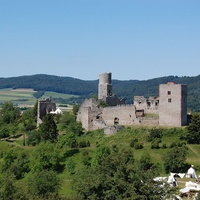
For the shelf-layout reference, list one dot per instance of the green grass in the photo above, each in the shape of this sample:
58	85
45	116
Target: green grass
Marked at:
25	98
122	140
48	94
21	96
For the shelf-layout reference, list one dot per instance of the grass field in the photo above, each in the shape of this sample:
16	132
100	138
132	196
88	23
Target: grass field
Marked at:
24	97
18	96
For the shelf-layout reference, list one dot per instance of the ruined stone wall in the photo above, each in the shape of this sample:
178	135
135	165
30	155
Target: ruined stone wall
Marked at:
85	115
112	129
90	115
173	105
123	115
92	103
149	105
148	121
98	124
44	106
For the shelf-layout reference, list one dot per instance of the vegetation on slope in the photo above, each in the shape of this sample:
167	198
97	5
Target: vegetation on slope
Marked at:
59	160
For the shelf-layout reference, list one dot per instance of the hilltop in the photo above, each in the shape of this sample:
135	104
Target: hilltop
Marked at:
122	88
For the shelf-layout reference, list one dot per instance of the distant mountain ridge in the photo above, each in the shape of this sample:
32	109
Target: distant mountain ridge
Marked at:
126	88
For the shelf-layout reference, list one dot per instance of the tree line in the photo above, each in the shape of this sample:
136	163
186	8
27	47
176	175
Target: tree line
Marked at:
85	89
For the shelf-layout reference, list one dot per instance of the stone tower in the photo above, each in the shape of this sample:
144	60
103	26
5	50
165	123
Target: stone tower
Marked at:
172	104
105	86
44	106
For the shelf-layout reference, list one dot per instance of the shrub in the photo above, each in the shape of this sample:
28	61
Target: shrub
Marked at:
133	142
154	134
138	145
155	144
164	146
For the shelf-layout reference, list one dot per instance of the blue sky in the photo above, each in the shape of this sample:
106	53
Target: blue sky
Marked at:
133	39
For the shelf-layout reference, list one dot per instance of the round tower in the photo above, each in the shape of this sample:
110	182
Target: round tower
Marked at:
105	86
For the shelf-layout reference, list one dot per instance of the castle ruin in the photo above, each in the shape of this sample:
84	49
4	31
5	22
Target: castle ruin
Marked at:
44	106
169	109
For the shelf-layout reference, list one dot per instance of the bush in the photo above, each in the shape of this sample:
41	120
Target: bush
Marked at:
34	137
155	144
4	132
138	145
71	152
154	134
133	142
174	160
43	184
83	144
177	144
164	146
193	134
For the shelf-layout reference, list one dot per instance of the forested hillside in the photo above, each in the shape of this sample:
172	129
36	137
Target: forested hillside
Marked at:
127	88
59	160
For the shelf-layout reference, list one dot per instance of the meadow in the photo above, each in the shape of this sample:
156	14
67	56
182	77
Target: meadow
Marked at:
24	97
122	139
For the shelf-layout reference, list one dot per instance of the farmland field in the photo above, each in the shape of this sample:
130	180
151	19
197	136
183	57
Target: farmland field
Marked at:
24	97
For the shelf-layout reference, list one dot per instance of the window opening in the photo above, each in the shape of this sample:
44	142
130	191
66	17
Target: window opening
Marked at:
169	100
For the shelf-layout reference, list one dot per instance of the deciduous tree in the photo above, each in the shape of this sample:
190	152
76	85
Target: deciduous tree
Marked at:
193	134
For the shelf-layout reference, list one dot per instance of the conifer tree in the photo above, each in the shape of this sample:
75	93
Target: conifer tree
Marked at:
48	129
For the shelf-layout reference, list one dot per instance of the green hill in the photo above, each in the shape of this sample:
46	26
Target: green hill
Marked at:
84	89
76	157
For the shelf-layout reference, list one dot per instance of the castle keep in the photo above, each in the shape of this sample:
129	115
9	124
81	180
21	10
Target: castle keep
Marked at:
44	106
169	109
173	104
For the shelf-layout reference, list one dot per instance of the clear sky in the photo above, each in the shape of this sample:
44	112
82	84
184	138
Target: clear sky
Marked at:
133	39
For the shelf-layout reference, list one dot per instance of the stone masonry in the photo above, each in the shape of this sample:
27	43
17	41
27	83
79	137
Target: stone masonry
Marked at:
169	109
173	104
44	106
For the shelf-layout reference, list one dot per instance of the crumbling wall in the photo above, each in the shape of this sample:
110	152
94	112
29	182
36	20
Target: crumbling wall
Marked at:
169	109
122	115
44	106
149	105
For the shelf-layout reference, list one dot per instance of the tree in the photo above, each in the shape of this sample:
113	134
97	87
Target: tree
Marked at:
34	137
47	156
193	134
155	134
16	163
21	165
9	112
43	184
4	130
116	177
146	164
68	140
174	160
68	122
75	109
48	128
9	158
29	119
7	187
